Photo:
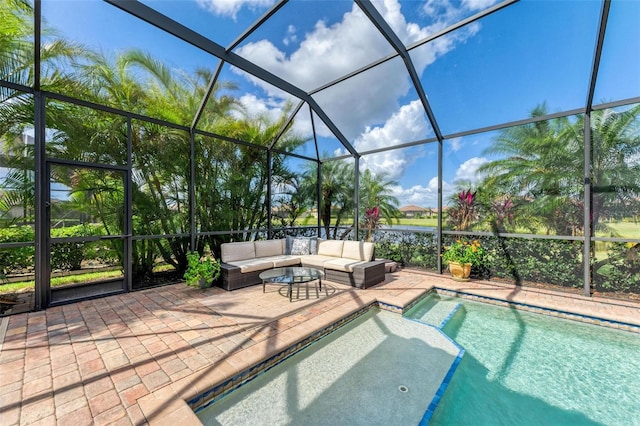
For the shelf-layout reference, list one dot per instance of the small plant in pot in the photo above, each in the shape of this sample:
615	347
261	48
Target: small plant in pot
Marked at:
461	256
201	271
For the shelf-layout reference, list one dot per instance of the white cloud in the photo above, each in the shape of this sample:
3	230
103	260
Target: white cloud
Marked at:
365	108
291	36
423	196
478	4
455	144
407	124
444	11
468	171
329	51
255	106
232	7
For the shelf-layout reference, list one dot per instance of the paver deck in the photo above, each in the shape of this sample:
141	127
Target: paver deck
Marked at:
134	358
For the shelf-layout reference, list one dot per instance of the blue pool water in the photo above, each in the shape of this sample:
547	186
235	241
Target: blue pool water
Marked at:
521	368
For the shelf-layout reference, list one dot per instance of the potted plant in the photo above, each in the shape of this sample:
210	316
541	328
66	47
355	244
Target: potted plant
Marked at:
201	271
460	256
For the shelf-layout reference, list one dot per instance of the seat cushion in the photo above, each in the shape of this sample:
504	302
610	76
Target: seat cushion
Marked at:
315	261
251	265
368	250
284	260
269	248
342	264
231	252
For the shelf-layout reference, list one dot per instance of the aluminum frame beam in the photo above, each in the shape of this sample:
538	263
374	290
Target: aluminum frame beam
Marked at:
381	24
387	32
586	254
419	43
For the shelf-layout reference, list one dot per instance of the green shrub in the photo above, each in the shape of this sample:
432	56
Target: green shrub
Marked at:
70	255
620	271
18	259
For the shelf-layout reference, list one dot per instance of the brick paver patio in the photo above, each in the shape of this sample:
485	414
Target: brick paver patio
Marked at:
134	358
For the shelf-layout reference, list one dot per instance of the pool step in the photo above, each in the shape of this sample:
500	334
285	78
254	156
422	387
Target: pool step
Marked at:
439	313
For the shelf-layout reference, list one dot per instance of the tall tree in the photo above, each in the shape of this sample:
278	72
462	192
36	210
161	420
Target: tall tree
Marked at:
376	197
615	165
540	165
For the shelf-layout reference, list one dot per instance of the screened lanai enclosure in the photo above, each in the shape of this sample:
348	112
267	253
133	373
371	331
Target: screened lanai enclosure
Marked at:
133	132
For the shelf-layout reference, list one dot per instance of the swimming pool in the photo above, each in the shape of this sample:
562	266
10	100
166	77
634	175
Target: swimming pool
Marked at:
379	369
530	369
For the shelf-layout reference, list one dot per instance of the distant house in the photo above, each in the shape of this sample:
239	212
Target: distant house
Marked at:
415	211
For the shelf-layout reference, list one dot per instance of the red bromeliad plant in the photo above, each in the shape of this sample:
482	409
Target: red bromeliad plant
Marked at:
503	212
371	221
464	212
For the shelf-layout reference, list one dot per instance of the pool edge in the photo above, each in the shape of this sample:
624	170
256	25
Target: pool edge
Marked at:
556	313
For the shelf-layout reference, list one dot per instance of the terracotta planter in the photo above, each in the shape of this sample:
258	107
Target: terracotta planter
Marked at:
460	271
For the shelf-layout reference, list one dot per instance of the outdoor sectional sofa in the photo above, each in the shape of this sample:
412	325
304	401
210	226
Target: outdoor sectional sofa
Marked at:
344	262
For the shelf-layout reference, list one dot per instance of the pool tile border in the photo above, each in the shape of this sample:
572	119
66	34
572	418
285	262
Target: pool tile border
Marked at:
443	386
558	313
431	408
451	314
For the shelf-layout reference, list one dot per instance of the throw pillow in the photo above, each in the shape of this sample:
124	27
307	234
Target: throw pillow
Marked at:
300	247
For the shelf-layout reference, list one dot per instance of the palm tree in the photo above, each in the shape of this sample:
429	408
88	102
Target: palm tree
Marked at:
540	166
375	196
615	170
16	107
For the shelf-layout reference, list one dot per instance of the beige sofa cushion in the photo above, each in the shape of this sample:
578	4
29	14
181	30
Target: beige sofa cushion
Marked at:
231	252
353	250
330	248
268	248
342	264
368	249
284	260
315	260
251	265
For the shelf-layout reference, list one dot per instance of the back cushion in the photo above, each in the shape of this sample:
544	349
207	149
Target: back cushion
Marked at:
330	248
268	248
231	252
368	250
353	250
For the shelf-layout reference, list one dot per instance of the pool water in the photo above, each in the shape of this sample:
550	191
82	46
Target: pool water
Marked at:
379	369
521	368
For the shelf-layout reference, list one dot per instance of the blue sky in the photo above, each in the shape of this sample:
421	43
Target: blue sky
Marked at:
493	71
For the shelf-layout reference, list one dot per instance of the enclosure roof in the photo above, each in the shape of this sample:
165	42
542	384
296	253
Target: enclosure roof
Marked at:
363	77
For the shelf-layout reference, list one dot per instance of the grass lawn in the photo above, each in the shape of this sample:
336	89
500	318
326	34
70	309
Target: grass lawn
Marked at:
621	230
409	221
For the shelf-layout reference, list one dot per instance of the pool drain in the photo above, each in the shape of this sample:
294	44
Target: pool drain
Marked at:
403	389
